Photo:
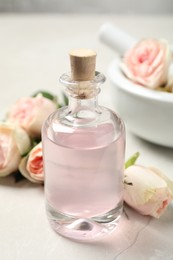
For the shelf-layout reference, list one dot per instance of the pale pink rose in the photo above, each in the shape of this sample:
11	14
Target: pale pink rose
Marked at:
31	166
147	63
14	142
147	190
30	113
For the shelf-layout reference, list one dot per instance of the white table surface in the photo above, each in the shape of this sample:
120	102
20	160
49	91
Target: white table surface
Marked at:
33	54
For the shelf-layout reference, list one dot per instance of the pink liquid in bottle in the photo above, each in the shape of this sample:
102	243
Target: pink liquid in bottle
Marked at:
83	179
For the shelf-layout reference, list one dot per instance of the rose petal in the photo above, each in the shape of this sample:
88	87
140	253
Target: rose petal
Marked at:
148	63
30	113
149	193
25	173
35	163
11	147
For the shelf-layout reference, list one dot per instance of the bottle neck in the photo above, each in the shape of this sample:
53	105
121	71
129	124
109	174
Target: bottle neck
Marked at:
83	89
76	103
83	95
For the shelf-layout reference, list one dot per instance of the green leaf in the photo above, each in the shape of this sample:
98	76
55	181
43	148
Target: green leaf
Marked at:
65	99
34	142
18	177
131	161
46	94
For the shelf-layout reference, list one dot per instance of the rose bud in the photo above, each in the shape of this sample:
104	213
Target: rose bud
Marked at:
147	191
147	63
30	113
14	142
31	166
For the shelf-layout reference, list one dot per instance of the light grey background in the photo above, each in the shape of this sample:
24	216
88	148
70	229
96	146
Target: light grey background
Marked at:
89	6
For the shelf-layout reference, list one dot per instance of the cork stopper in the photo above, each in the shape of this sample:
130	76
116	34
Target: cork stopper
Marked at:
83	63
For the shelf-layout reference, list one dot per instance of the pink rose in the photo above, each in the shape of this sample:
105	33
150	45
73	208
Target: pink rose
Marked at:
31	166
14	142
147	190
147	63
30	113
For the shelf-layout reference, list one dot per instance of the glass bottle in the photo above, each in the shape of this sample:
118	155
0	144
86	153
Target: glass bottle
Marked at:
83	151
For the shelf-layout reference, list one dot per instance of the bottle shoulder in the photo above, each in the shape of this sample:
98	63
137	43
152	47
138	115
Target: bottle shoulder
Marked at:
84	117
105	126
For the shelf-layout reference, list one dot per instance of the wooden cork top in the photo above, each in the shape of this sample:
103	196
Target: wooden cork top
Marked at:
83	63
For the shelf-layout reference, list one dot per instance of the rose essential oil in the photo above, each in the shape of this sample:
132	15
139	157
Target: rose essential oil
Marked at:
83	150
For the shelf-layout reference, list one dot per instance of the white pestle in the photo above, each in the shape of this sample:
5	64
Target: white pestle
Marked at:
115	38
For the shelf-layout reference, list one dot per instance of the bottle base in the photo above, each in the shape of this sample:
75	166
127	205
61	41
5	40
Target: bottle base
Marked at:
84	229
